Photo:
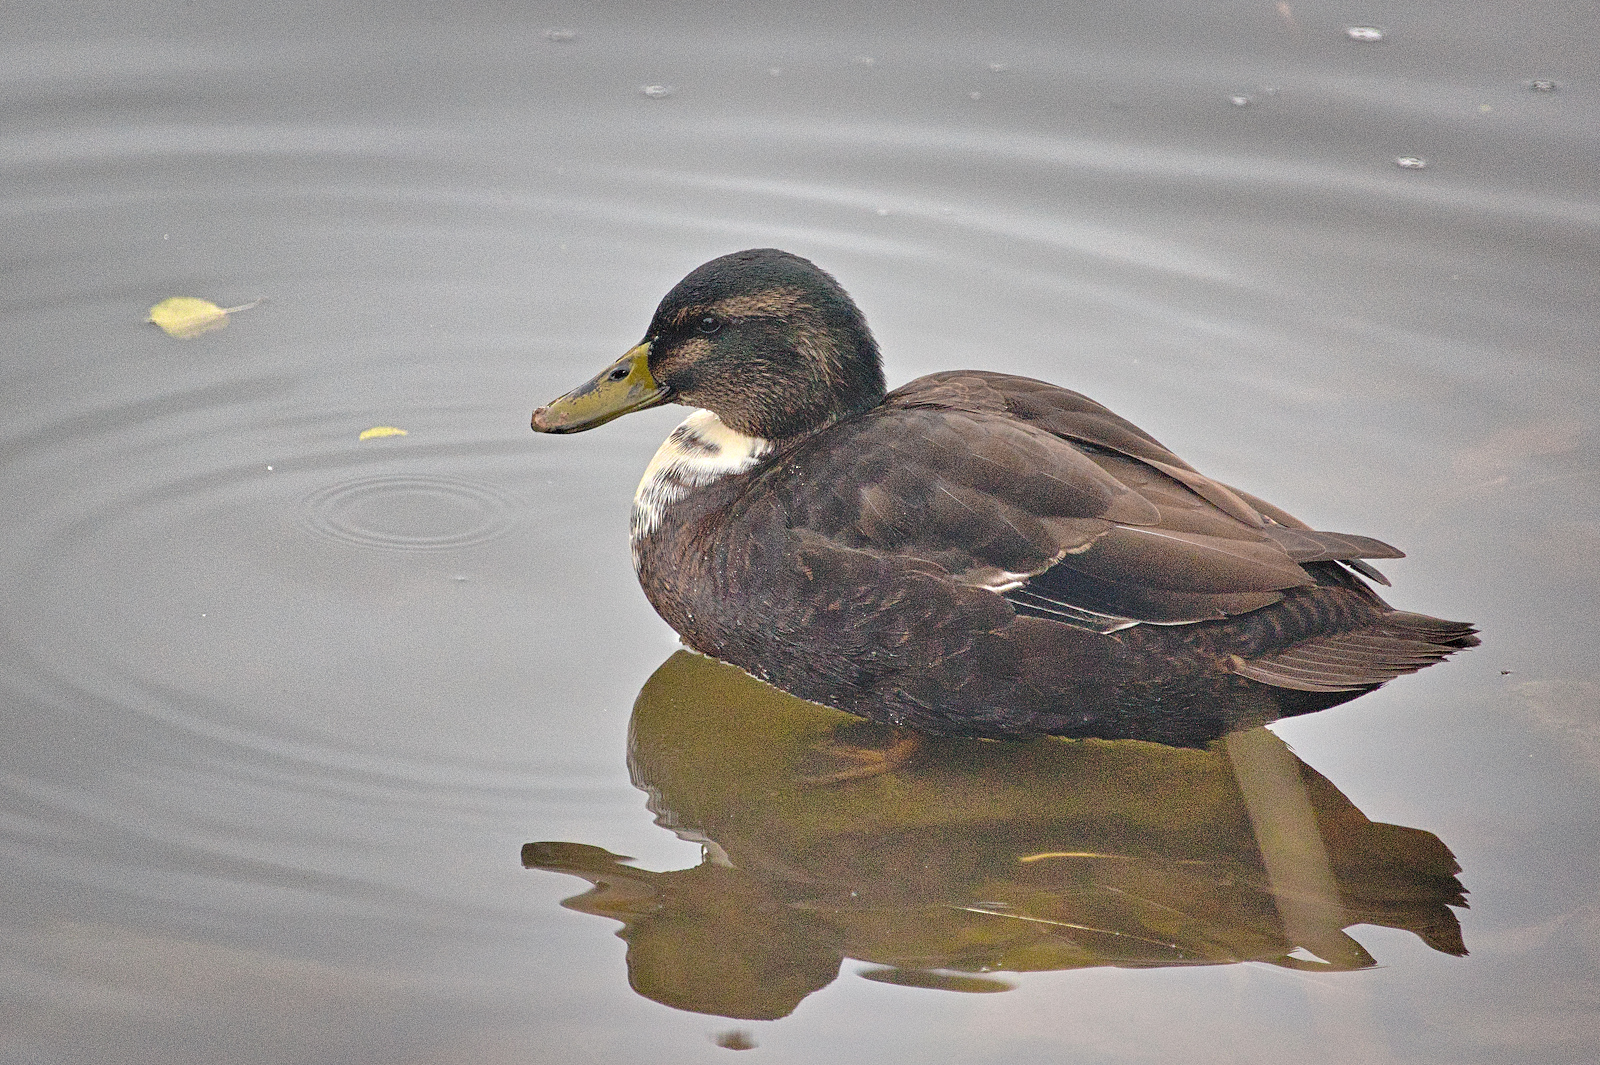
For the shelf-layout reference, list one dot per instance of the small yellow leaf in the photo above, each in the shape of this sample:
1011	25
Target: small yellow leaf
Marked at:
380	430
185	316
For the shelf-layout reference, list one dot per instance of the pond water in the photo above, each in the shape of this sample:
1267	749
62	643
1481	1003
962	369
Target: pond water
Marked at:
282	707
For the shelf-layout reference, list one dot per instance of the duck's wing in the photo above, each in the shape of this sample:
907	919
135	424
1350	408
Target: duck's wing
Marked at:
1069	512
1071	416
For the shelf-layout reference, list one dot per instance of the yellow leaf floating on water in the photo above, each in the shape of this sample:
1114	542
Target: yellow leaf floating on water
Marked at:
185	316
380	430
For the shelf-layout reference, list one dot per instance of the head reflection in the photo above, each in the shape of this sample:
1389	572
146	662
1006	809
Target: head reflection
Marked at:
979	858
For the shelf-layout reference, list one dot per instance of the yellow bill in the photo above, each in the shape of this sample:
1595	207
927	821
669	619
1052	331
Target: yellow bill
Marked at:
621	388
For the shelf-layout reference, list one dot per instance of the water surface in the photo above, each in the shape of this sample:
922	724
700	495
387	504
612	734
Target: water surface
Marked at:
282	707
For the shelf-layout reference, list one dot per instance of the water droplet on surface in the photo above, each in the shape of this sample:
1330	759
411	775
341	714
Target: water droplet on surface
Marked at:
998	67
560	36
1542	85
864	60
1411	162
1368	34
882	211
774	71
1241	101
974	95
655	92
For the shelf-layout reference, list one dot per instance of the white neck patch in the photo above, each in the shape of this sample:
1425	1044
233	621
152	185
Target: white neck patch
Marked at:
699	451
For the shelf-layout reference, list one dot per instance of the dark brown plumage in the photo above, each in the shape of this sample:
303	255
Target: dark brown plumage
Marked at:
973	553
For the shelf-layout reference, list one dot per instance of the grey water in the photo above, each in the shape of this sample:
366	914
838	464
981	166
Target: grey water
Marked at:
281	706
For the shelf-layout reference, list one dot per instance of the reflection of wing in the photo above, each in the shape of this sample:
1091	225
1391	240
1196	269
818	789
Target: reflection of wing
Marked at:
1050	499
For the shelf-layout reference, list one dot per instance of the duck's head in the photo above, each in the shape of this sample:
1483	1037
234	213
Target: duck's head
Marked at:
765	340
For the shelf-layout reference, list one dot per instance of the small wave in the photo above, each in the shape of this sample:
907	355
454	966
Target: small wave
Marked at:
409	513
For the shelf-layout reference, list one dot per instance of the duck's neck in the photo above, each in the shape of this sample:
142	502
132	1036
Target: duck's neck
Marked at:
700	452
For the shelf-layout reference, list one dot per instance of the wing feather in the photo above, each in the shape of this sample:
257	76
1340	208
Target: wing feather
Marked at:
1043	496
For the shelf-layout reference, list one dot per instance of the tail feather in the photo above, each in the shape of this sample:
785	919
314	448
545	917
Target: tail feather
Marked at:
1401	643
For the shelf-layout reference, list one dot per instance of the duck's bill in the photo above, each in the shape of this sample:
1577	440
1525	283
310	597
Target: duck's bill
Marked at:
621	388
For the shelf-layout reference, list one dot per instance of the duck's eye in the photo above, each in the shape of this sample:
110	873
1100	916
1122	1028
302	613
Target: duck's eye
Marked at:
708	325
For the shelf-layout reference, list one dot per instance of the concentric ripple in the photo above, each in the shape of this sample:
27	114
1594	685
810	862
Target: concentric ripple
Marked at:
409	513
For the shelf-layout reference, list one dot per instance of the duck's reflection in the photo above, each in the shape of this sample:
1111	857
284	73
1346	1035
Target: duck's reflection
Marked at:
980	857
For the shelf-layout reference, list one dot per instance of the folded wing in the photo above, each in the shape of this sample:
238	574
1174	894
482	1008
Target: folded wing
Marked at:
1049	499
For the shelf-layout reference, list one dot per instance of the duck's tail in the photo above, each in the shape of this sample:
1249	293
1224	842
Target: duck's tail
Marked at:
1399	643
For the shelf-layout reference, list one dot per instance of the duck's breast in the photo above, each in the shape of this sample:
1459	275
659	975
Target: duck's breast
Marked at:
699	453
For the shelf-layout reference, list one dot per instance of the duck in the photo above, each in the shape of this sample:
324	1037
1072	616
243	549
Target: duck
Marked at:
974	553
